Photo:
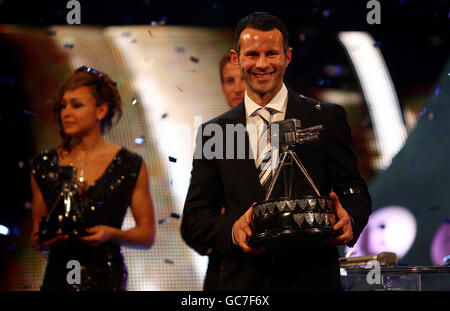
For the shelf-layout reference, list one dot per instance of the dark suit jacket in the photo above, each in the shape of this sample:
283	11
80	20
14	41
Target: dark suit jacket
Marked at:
233	183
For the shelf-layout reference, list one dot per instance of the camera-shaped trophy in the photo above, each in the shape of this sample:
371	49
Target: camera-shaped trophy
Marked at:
64	218
292	217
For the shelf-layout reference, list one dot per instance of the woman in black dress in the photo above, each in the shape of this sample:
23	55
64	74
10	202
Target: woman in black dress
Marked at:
109	179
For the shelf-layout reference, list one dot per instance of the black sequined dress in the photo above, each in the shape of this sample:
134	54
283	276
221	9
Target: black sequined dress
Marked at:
104	203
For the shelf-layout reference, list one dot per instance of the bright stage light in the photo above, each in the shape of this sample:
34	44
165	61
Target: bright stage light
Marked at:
4	230
379	93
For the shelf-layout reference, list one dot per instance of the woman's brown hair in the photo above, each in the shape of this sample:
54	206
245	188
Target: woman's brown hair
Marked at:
103	89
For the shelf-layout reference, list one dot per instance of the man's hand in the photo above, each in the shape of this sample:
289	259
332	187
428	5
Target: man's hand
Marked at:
344	223
242	231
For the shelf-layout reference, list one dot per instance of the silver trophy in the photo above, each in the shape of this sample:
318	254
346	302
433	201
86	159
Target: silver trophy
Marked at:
291	217
64	218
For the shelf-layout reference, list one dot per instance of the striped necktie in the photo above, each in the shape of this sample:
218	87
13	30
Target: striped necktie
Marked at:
264	159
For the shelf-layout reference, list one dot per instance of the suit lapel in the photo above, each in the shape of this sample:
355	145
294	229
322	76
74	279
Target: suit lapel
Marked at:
294	106
247	165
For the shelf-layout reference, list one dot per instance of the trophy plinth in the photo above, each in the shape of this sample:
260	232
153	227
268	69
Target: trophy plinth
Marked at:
283	222
69	225
294	218
64	218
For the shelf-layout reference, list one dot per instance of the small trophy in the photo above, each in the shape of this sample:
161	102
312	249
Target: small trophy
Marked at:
64	218
291	218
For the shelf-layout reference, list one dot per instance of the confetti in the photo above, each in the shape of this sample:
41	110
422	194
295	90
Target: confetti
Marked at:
377	44
150	33
172	159
134	101
168	261
30	113
164	115
422	112
161	221
174	215
163	20
126	34
139	140
133	41
338	70
180	89
50	32
194	59
438	90
68	45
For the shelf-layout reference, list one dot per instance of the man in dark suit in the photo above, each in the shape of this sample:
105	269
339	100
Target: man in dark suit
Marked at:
223	177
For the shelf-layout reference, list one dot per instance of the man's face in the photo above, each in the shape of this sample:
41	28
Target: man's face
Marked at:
233	86
262	61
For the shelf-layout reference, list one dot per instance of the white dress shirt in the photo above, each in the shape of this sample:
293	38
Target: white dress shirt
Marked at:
255	124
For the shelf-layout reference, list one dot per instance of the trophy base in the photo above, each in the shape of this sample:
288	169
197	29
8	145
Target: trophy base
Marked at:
287	222
70	225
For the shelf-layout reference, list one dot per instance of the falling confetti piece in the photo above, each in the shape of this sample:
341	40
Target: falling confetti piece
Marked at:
180	89
139	140
30	113
438	90
168	261
172	159
150	33
422	112
50	32
134	101
194	59
68	45
165	114
161	221
133	41
126	34
163	20
377	44
174	215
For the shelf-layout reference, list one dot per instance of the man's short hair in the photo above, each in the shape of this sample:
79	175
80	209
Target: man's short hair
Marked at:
223	61
261	21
